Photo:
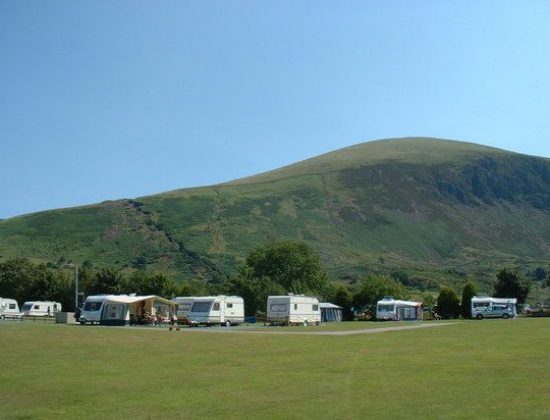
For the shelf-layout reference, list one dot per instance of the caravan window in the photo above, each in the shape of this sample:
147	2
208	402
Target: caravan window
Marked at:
184	307
277	307
385	308
481	304
92	306
295	306
315	308
202	306
229	305
12	305
27	306
216	306
36	306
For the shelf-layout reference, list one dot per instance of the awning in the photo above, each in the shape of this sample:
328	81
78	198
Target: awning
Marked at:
133	299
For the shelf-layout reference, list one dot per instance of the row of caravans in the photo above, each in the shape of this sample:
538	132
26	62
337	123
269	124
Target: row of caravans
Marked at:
204	310
9	308
482	307
229	310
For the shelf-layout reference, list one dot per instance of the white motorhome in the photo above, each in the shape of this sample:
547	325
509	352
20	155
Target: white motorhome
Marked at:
38	308
220	310
9	309
185	303
389	309
293	309
489	307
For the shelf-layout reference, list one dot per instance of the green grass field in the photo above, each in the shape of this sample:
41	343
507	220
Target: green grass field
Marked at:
484	369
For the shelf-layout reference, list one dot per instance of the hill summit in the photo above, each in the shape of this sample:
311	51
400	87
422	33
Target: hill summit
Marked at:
437	210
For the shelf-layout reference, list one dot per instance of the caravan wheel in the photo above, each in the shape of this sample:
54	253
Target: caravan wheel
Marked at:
2	317
227	324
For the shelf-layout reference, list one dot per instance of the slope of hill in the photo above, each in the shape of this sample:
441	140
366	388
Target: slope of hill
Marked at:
440	210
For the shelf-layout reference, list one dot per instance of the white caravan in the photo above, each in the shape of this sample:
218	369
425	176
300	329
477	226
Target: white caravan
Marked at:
185	303
212	310
37	308
9	309
489	307
293	309
92	309
389	309
126	310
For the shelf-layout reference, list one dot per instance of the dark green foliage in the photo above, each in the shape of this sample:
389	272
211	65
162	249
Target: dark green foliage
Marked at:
276	269
16	276
292	265
468	292
344	298
108	281
158	284
22	280
373	288
510	284
538	274
448	305
253	290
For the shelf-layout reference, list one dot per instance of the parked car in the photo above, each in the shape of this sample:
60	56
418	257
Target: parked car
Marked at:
496	311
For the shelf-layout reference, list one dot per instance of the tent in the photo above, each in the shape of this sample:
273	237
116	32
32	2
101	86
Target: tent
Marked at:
330	312
127	309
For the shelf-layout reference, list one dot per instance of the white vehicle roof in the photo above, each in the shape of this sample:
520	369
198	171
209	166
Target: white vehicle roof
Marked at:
207	298
126	299
494	300
398	302
294	298
327	305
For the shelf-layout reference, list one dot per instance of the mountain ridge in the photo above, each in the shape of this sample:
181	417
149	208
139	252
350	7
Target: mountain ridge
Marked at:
440	210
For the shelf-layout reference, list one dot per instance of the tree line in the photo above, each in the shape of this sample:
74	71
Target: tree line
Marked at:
274	269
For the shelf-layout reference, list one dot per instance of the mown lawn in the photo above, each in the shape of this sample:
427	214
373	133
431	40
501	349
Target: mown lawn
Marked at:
484	369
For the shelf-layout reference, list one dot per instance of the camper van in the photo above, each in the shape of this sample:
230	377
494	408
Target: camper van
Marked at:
293	309
9	309
185	303
489	307
389	309
216	310
37	308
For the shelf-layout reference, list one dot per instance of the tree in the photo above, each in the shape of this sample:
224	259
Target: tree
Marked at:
292	265
253	290
16	276
275	269
374	288
343	297
468	292
511	285
159	284
448	305
108	281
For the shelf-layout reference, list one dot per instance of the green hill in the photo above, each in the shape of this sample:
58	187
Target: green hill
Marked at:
438	210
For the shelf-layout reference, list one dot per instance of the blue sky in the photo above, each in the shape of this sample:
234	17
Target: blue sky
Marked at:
118	99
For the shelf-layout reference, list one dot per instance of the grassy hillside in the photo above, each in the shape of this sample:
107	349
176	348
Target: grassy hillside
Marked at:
440	210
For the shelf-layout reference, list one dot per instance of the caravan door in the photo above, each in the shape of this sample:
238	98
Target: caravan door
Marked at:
113	313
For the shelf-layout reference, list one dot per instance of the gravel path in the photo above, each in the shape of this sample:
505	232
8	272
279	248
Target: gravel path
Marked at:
346	332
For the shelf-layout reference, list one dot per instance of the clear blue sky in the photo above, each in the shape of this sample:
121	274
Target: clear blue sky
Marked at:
119	99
